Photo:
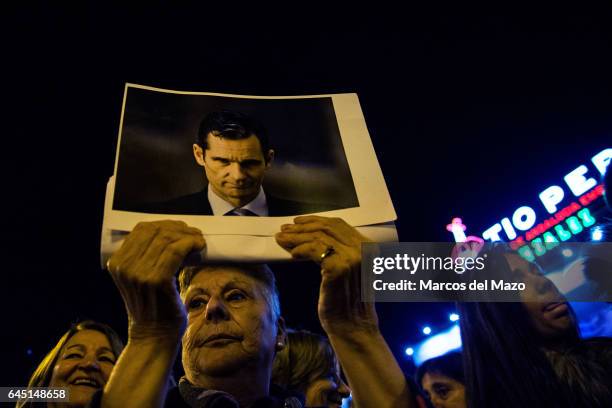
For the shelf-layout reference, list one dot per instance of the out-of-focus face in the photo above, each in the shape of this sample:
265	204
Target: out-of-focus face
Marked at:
546	306
83	366
229	324
443	391
327	391
234	168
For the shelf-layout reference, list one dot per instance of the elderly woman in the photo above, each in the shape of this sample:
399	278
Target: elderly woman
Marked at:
234	329
232	332
228	317
309	366
81	362
529	352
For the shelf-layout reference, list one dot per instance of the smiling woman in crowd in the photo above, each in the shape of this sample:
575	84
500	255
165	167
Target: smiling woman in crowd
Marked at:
81	362
529	353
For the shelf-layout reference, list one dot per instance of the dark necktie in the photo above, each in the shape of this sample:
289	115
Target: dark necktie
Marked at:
243	212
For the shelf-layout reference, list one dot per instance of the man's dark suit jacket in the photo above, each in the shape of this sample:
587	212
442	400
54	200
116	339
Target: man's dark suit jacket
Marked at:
197	204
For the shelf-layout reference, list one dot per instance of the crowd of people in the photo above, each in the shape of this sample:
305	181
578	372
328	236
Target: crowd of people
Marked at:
224	322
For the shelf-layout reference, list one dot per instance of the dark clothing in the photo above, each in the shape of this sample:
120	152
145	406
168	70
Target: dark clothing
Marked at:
188	396
197	204
586	369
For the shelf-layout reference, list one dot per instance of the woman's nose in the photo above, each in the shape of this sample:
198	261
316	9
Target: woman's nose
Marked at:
90	363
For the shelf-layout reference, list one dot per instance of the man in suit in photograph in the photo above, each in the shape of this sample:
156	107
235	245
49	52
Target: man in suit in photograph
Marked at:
234	152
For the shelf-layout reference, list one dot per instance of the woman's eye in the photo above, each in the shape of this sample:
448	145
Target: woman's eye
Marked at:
236	296
107	359
442	392
196	303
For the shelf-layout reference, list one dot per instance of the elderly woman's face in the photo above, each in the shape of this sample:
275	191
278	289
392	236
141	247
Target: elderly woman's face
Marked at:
229	323
327	391
546	306
83	366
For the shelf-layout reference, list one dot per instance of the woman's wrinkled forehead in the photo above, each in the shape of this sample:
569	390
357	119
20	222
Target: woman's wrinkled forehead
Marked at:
217	278
259	282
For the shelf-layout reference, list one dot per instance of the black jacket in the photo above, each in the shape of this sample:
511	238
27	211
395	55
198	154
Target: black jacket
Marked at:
197	204
188	396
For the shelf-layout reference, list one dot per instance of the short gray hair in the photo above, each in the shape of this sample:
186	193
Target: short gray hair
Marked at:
260	272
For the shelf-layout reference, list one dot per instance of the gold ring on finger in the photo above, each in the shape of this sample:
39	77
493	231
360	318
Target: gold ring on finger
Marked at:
328	251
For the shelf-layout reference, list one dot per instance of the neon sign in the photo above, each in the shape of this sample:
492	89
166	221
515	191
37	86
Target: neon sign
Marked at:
522	228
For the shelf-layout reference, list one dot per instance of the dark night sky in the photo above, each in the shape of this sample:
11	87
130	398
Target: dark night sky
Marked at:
468	117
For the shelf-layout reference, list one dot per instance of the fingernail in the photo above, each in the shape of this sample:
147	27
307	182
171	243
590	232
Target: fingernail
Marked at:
285	227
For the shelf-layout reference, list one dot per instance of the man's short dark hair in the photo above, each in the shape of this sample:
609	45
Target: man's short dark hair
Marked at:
233	126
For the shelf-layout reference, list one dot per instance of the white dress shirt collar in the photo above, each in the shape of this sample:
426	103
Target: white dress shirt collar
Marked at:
219	206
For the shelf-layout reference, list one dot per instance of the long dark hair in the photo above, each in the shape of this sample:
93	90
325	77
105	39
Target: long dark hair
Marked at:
504	365
503	359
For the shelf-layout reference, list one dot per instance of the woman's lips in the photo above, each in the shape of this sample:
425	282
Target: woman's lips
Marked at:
556	308
86	381
220	339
